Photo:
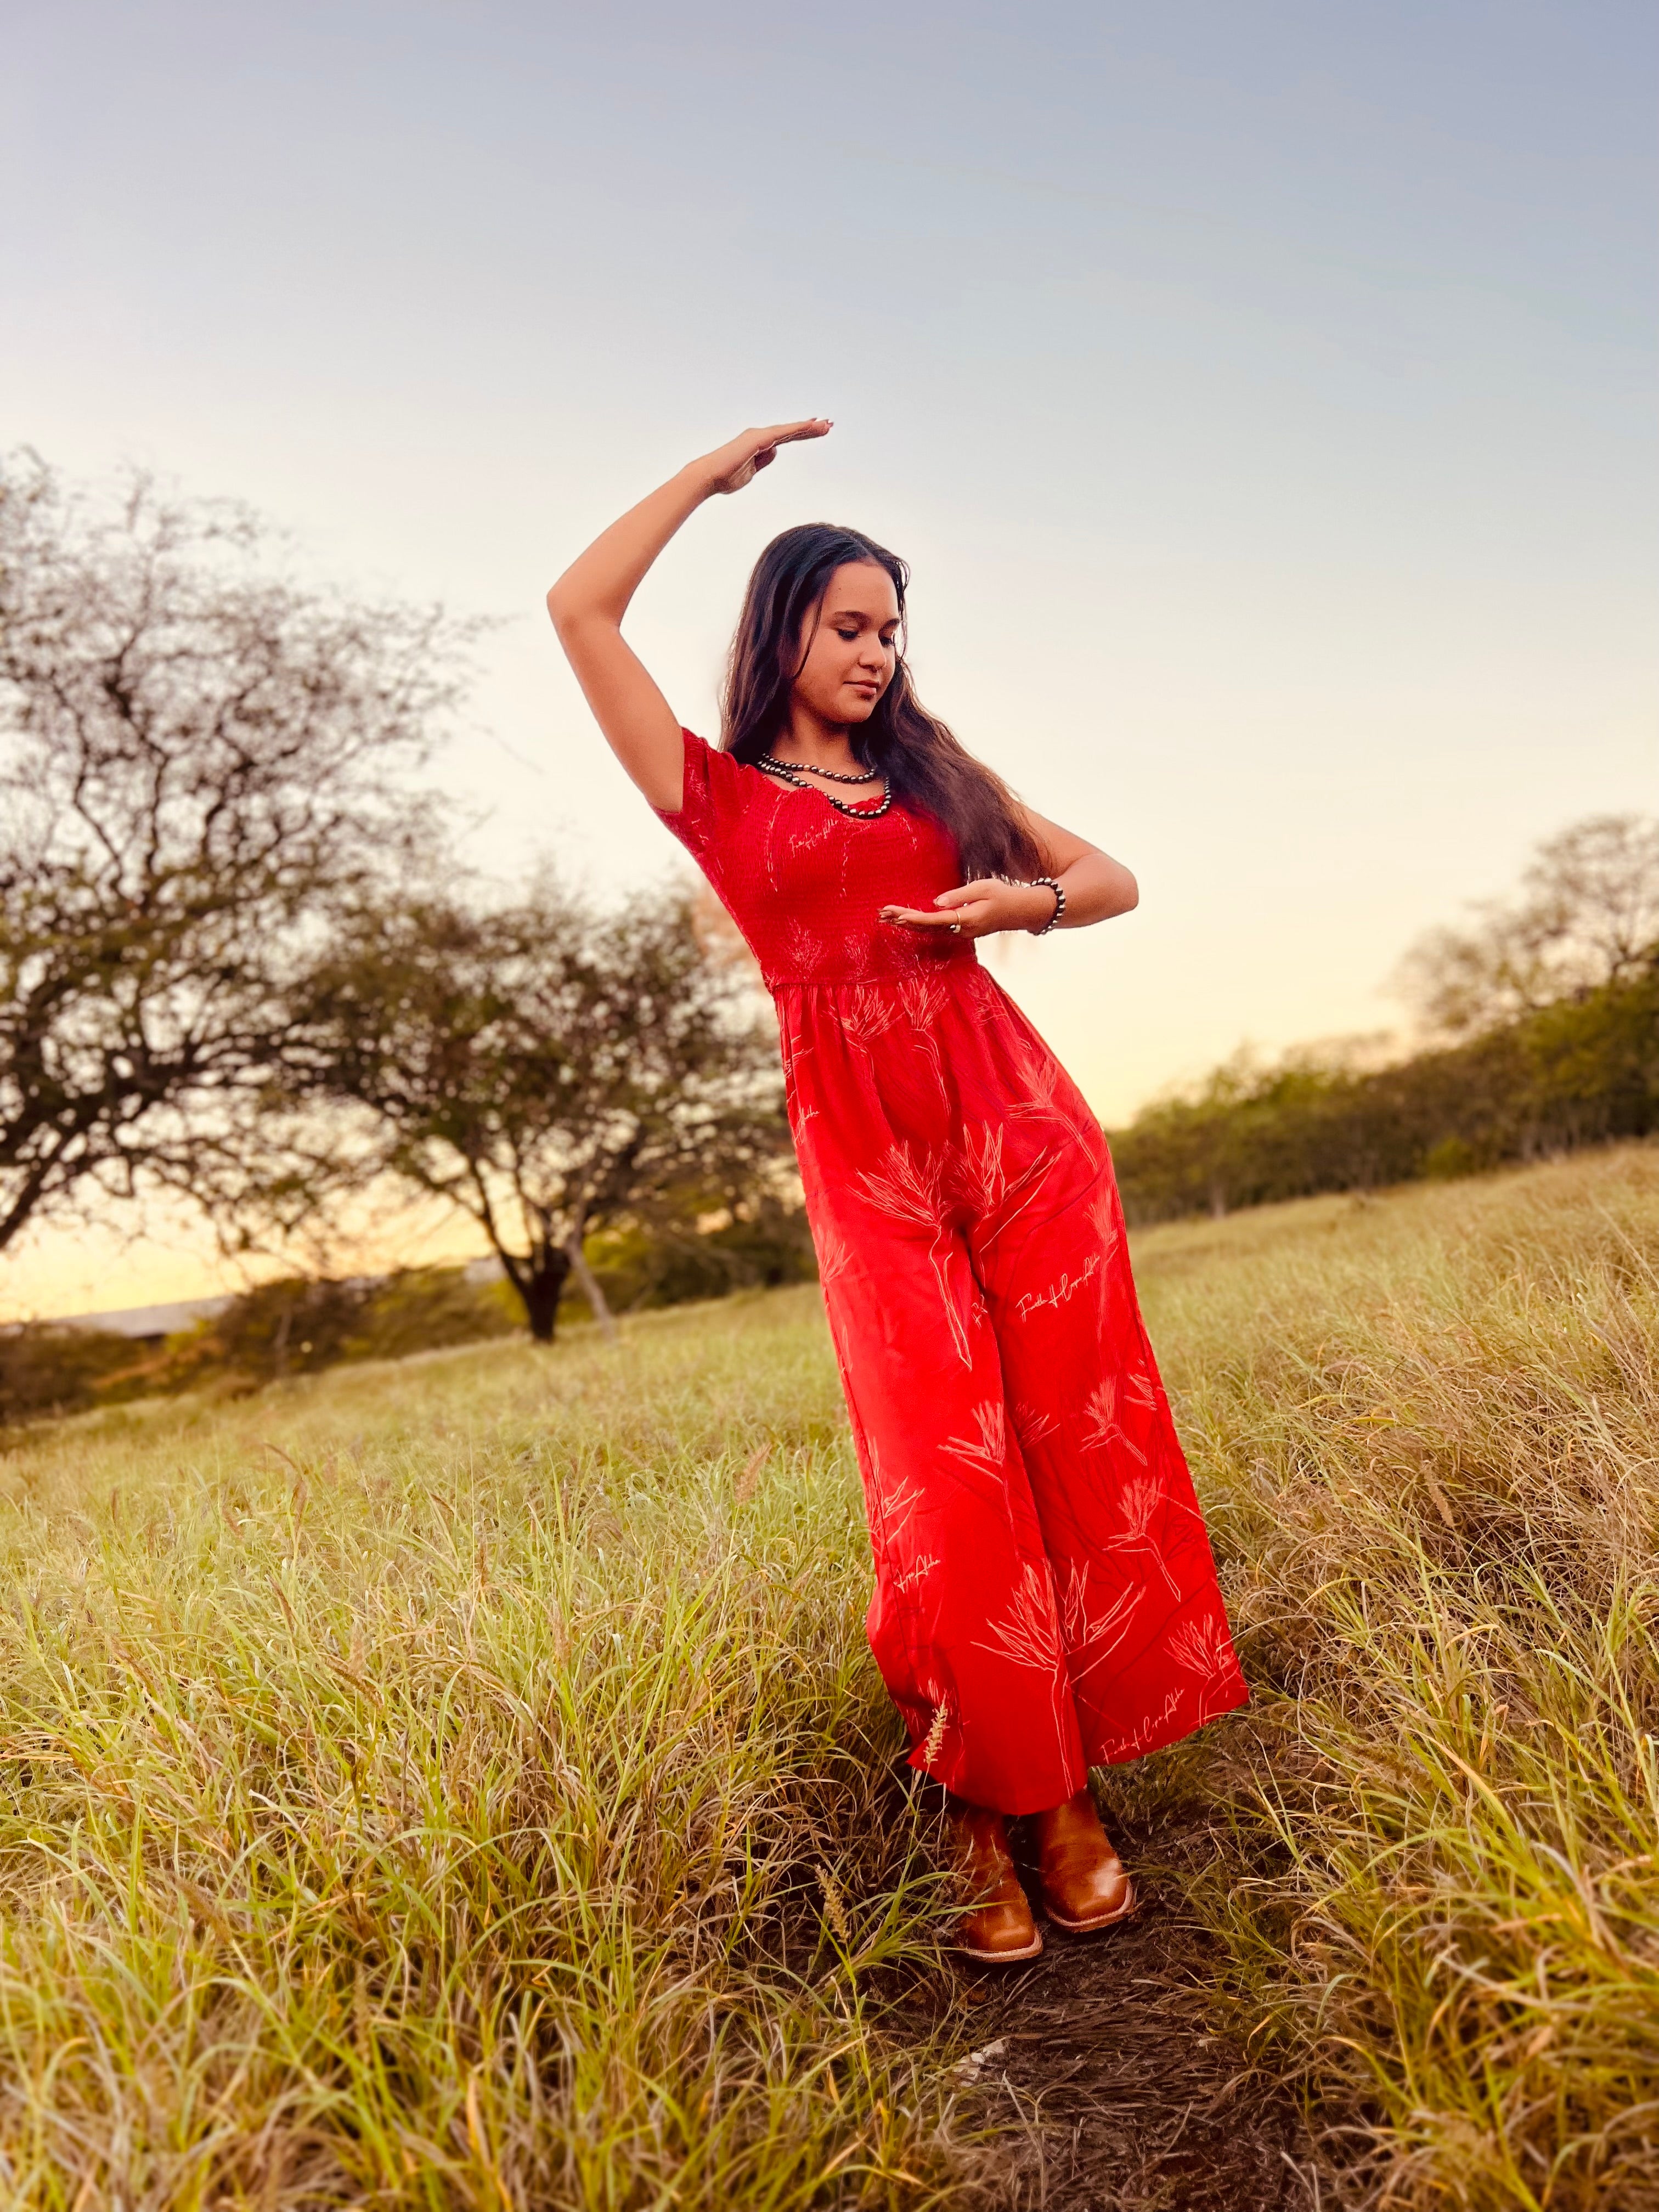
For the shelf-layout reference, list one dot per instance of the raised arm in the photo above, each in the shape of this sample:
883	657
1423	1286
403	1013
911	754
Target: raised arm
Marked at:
588	602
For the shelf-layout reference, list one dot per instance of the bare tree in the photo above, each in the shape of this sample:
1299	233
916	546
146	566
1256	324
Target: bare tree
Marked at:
196	759
549	1071
1587	914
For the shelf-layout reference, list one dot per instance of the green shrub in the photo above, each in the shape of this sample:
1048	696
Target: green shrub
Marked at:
1581	1072
48	1368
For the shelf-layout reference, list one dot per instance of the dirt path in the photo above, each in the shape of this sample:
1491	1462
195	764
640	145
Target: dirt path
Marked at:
1128	2101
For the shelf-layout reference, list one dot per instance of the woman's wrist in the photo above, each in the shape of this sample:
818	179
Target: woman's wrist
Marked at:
1041	903
1052	886
700	478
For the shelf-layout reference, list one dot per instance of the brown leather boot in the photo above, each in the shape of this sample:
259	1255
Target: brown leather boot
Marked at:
998	1928
1083	1885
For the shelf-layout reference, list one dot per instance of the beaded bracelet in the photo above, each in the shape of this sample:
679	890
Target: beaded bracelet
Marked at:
1040	883
1048	884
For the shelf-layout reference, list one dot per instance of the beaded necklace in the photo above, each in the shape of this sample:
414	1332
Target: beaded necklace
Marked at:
829	775
781	768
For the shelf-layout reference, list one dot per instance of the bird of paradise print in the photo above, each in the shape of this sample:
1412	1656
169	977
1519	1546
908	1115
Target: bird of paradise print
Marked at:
1139	1501
923	998
1140	1391
1041	1088
1102	1430
1203	1647
984	1180
979	1167
1034	1424
985	1453
1030	1636
898	1505
804	948
835	1252
910	1190
1103	1215
867	1014
1091	1638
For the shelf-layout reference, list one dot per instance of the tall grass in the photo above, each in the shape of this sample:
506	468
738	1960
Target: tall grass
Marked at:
1429	1433
463	1782
459	1784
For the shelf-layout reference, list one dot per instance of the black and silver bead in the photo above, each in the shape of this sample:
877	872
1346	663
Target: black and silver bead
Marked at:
782	770
1050	883
829	775
1040	883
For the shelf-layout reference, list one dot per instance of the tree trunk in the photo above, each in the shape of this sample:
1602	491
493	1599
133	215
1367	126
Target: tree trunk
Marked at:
279	1342
588	1284
541	1291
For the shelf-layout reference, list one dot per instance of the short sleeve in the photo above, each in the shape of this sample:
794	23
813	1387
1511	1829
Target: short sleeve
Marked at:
716	796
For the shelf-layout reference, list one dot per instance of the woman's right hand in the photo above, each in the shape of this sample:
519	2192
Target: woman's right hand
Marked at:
735	464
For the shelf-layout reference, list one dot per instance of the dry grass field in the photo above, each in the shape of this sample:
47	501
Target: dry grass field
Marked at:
1429	1430
462	1782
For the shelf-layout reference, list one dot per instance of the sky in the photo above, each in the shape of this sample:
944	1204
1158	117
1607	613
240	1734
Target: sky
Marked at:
1262	397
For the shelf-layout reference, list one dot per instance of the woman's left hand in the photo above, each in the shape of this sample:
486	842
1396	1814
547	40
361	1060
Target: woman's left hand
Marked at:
980	909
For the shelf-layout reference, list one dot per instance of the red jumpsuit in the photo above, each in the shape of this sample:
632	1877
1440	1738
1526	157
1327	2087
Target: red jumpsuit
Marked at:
1045	1599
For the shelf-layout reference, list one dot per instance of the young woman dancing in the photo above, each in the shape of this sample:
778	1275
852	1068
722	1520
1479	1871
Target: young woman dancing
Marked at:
1045	1599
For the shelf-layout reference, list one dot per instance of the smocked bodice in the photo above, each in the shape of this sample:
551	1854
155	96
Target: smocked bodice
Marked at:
805	884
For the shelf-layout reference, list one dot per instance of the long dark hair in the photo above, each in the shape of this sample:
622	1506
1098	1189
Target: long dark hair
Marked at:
928	769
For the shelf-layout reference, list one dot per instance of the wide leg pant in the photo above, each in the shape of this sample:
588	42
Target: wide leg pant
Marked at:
1045	1597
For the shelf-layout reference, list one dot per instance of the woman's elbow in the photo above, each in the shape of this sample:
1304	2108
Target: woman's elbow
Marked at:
1128	891
578	623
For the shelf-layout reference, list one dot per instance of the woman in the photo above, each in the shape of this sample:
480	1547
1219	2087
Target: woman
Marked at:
1045	1597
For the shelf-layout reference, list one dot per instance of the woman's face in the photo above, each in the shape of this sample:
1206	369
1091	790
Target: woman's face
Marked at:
851	644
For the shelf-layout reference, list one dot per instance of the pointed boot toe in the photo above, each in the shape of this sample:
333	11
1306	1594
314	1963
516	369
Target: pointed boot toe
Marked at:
1082	1884
998	1928
1000	1933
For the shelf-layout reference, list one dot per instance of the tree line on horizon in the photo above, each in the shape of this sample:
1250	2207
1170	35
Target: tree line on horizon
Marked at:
1541	1036
241	964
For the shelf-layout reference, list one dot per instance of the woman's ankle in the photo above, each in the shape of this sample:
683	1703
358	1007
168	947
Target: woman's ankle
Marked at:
1078	1815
